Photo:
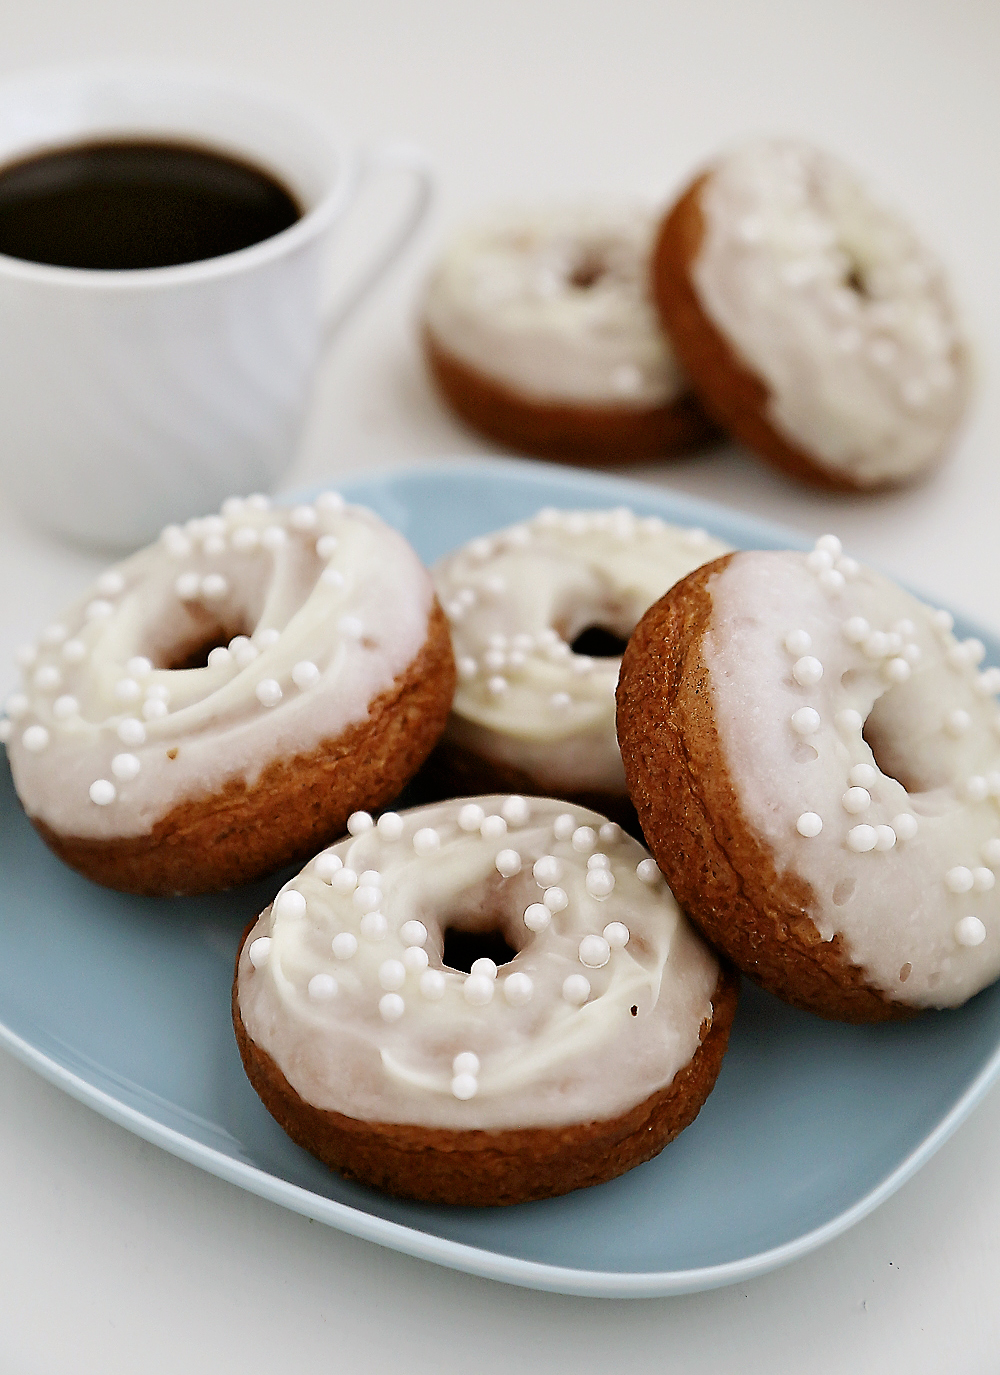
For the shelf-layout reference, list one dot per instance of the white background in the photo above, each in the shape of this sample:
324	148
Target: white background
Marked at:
115	1256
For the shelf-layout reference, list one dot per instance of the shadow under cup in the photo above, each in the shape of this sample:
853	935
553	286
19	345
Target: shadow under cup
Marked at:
131	398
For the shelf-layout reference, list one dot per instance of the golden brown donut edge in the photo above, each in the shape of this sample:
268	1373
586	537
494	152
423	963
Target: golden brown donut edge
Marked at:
295	807
493	1168
721	872
568	434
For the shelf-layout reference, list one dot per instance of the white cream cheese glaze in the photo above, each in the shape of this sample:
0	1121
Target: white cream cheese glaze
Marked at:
557	306
341	980
810	658
323	606
516	600
834	303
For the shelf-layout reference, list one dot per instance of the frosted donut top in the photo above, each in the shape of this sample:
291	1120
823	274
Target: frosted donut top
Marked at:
901	846
557	305
834	303
322	607
342	982
517	600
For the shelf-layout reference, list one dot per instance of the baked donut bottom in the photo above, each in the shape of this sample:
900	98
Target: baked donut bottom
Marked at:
456	771
494	1168
729	391
721	873
567	433
294	807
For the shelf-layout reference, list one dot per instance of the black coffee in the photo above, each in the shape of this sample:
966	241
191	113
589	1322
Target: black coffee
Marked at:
132	205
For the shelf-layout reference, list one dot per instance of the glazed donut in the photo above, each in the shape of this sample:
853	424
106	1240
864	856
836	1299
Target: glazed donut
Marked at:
816	765
539	332
531	608
153	762
813	323
384	1043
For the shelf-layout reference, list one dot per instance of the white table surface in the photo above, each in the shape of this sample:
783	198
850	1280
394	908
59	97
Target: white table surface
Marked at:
115	1256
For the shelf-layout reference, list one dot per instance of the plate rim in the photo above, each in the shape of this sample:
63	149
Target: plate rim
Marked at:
444	1251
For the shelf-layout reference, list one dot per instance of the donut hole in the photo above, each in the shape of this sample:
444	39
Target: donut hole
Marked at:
597	642
193	651
462	948
587	272
897	750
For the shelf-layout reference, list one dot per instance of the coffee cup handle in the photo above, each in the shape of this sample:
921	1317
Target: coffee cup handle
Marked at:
388	157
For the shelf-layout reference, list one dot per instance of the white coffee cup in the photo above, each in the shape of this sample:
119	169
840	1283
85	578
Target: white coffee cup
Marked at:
130	399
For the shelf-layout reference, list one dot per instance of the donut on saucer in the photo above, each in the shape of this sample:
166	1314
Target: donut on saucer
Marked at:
815	761
814	325
540	333
219	703
539	616
385	1039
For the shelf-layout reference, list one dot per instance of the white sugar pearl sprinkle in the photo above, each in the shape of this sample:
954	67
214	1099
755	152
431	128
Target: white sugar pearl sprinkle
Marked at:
103	792
970	931
798	642
391	1007
127	690
465	1062
98	610
245	539
433	984
576	989
975	788
426	841
125	767
154	708
600	883
517	989
849	720
305	674
905	826
64	707
556	899
856	800
344	880
807	671
268	692
616	934
492	827
564	826
537	916
809	825
485	967
17	705
374	926
131	731
214	586
289	904
610	833
862	776
478	990
392	975
560	701
471	817
139	666
332	577
855	630
515	810
547	870
74	651
390	825
219	657
957	722
273	538
345	945
594	952
413	932
47	678
464	1086
860	839
508	863
584	839
359	823
303	518
598	861
831	579
415	958
885	838
326	546
496	686
36	738
54	634
831	544
648	871
322	987
259	951
897	670
805	721
367	898
351	626
958	879
983	880
326	865
818	560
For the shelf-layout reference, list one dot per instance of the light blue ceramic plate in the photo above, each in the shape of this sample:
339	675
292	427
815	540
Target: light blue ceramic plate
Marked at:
124	1003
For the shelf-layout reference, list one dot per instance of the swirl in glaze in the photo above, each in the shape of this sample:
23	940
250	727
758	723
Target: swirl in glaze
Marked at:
863	742
557	305
835	304
342	982
516	600
322	607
